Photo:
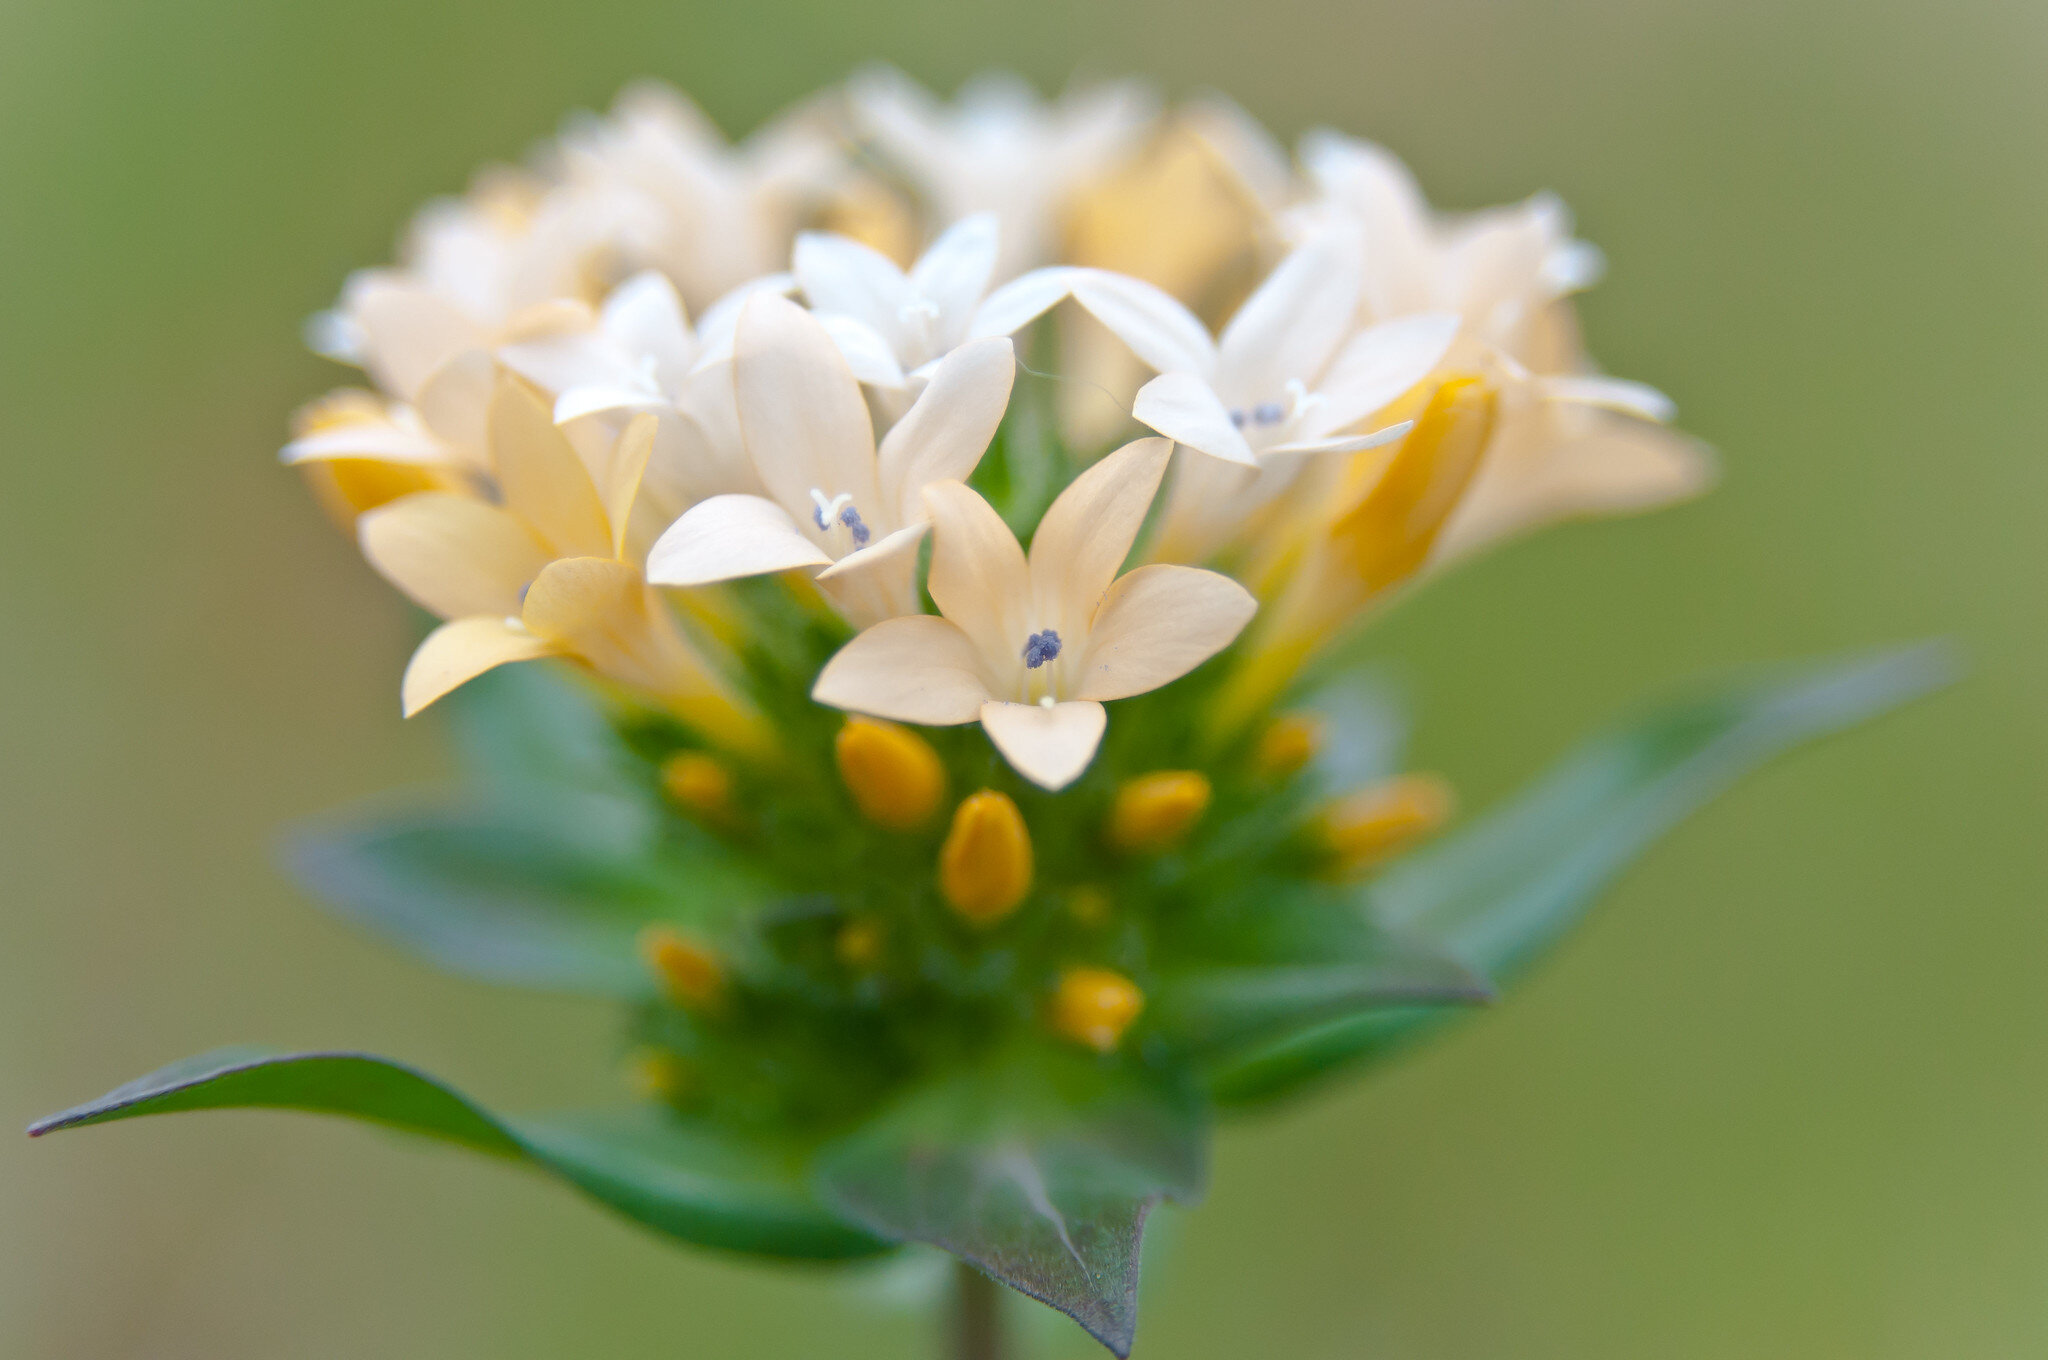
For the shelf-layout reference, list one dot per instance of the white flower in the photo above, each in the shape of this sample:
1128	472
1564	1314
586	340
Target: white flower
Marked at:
889	322
1031	647
1000	148
833	500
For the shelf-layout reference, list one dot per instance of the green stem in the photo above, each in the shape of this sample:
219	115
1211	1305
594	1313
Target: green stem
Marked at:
977	1322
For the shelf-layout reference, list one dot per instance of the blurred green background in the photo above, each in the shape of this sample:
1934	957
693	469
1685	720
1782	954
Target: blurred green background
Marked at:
1784	1097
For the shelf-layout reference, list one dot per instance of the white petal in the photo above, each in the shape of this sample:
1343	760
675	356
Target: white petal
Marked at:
406	330
879	581
800	409
644	317
1021	301
917	669
1157	624
1614	394
386	441
866	350
1158	329
728	537
453	402
1049	744
558	363
1288	328
979	577
1379	364
458	652
1183	407
1085	535
1354	443
839	274
715	327
954	270
943	435
577	402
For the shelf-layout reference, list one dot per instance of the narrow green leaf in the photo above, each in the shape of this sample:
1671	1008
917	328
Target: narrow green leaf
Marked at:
1039	1170
1500	893
684	1180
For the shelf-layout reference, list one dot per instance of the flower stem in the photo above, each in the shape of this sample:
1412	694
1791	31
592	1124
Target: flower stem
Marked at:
977	1322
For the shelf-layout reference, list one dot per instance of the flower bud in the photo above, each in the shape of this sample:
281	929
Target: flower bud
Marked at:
691	974
1089	905
658	1074
1094	1006
701	785
1290	743
1154	811
985	864
1387	535
1374	824
859	943
893	774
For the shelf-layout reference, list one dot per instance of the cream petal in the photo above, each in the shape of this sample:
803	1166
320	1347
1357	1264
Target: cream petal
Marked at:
644	317
1155	625
578	402
562	363
385	441
406	331
601	611
1086	534
458	652
1353	443
1288	328
1613	394
1049	744
727	537
916	669
979	577
867	352
879	581
623	471
954	270
1378	365
944	434
451	555
839	274
543	480
1183	407
453	403
1157	328
1021	301
801	414
715	327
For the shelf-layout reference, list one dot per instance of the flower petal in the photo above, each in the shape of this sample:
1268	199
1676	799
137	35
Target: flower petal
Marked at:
1087	533
879	581
979	578
839	274
1157	624
727	537
944	434
625	465
1613	394
801	413
1021	301
544	482
562	363
1049	744
1376	366
1349	443
384	441
1183	407
451	555
601	611
452	402
954	270
458	652
867	352
578	402
1288	328
916	669
1158	329
644	318
406	330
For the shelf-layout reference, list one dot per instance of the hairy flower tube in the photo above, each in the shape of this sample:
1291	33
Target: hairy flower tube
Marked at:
968	792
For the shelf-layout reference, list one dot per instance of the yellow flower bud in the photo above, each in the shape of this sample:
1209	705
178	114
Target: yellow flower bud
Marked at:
658	1074
985	864
1290	743
859	943
701	785
894	775
1153	811
1373	825
1094	1006
1386	536
690	973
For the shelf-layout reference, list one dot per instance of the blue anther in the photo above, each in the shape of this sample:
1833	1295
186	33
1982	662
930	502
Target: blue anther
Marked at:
1040	648
1268	413
1238	416
850	517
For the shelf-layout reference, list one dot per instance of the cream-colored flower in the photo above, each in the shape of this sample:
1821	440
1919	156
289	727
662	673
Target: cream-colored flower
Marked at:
539	573
1031	647
834	500
893	324
1000	148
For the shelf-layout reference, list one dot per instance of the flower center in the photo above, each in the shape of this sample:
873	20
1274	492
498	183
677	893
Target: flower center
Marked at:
1040	648
828	511
1268	414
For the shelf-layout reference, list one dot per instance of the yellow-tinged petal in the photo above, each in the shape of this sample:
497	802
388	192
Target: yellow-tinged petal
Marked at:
894	775
543	480
452	555
1154	812
1389	533
458	652
691	973
1373	825
916	669
1094	1006
1087	532
1155	625
621	481
985	864
348	487
1049	744
978	577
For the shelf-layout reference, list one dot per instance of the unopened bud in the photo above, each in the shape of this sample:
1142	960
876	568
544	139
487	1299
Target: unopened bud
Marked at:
1388	534
894	775
985	864
1094	1006
701	785
1373	825
1089	905
1290	743
859	943
1153	811
691	975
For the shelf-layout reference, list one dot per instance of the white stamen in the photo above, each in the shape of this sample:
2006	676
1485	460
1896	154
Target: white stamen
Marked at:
1300	400
1047	701
828	509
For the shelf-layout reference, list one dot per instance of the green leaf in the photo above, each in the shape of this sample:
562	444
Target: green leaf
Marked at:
1503	891
684	1180
1040	1170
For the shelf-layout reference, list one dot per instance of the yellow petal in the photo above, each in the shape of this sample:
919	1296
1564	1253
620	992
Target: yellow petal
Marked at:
894	775
458	652
1049	744
1388	534
347	487
985	864
452	555
1088	531
544	481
